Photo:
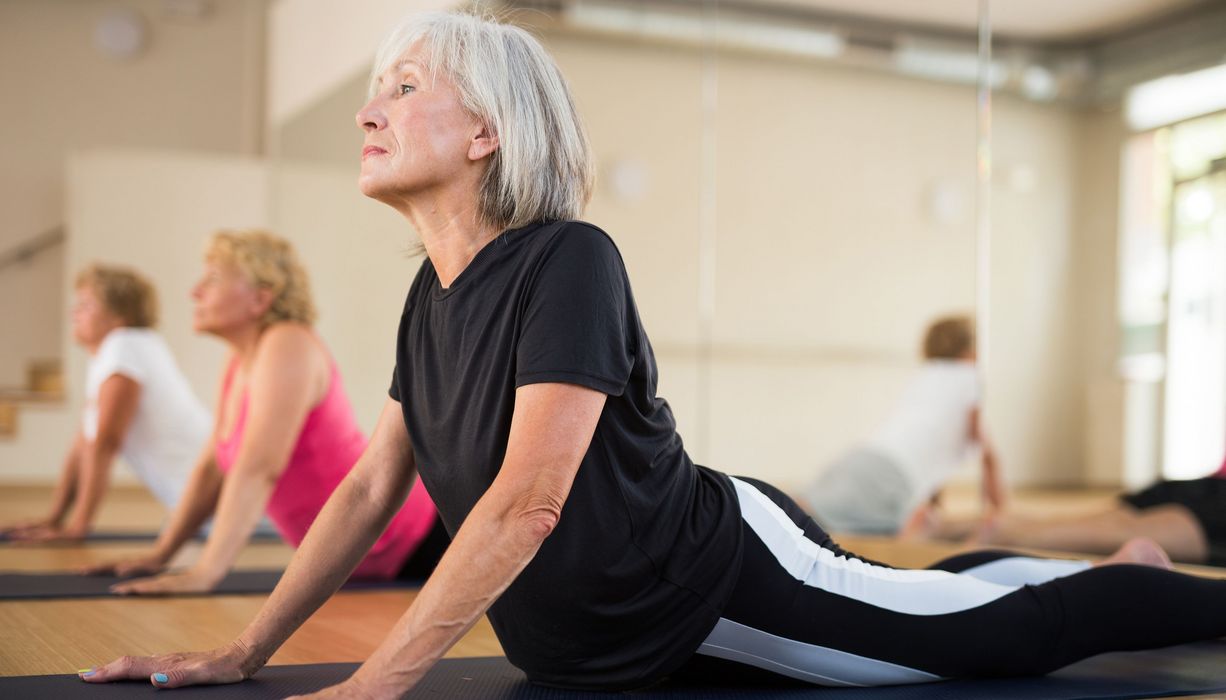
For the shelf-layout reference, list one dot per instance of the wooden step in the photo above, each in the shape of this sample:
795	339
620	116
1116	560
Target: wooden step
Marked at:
45	376
8	419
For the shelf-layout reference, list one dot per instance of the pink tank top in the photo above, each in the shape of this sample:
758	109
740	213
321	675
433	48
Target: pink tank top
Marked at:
327	448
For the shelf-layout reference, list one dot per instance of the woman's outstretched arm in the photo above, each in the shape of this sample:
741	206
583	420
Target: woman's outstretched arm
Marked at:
551	430
352	520
61	498
118	399
289	375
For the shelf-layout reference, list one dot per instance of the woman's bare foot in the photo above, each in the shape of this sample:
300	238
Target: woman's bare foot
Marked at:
919	526
987	530
1140	550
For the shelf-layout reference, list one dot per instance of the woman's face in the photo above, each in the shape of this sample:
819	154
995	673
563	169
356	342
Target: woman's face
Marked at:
91	320
226	300
419	138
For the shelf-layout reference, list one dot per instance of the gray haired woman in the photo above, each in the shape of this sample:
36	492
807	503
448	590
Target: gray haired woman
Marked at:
524	393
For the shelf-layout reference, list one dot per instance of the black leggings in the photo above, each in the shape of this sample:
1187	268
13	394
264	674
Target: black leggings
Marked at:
807	609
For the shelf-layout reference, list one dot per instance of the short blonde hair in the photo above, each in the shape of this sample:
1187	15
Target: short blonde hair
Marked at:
542	169
270	262
950	338
124	292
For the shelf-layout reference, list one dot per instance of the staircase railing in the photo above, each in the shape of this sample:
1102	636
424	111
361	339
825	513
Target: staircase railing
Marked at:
23	252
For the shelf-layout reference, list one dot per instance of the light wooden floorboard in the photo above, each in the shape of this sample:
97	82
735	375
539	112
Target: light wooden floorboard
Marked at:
60	636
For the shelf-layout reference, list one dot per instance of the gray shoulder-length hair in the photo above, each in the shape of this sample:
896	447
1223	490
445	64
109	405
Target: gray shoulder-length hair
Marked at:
542	169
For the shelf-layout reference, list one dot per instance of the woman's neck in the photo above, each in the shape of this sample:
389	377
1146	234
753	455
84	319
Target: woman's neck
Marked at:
243	342
92	348
452	232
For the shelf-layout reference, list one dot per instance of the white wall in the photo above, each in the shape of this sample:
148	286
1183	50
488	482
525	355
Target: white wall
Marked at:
1100	135
357	252
151	210
299	72
32	301
829	260
197	85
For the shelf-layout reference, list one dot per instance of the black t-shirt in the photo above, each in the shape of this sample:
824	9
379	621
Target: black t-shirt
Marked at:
648	547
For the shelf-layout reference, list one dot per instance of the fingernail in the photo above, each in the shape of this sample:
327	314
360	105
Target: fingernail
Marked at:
160	677
85	671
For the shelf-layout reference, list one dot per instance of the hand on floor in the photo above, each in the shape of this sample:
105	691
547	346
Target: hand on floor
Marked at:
13	529
919	525
43	534
189	581
145	565
228	664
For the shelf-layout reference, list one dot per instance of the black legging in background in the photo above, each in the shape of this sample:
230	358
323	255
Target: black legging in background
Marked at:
806	608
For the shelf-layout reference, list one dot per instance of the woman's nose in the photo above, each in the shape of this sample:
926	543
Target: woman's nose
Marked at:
370	118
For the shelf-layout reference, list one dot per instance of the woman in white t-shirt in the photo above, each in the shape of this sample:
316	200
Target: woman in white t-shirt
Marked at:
889	480
138	405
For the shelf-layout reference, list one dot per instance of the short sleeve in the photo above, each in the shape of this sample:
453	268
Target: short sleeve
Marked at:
974	385
123	354
394	390
577	324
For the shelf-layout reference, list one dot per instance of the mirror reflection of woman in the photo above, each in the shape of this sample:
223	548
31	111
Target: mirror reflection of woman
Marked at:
285	435
138	406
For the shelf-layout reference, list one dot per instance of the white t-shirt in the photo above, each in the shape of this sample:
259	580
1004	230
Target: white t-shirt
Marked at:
928	433
170	426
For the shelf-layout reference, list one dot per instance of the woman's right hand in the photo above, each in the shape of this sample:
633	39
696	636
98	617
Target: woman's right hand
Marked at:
229	664
16	529
144	565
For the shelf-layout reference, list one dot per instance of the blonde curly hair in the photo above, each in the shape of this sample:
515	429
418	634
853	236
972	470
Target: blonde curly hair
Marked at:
124	292
270	262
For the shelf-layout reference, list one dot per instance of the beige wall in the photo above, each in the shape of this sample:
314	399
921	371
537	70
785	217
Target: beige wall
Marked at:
830	257
151	210
1101	135
197	85
299	73
32	301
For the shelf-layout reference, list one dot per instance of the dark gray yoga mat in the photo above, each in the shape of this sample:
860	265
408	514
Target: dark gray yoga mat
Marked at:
138	536
32	586
1185	670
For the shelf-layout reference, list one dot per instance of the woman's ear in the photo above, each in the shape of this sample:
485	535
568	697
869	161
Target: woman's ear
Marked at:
262	301
483	144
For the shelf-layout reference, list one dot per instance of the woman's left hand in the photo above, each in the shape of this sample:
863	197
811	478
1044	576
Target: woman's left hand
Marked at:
189	581
49	533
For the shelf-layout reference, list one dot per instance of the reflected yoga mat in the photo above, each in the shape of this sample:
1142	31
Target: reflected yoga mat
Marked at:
29	586
1183	670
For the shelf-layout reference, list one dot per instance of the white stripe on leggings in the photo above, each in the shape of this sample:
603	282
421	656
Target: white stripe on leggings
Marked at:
1020	571
914	592
807	662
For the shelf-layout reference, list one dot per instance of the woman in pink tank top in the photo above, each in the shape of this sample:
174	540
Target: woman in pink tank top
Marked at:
285	436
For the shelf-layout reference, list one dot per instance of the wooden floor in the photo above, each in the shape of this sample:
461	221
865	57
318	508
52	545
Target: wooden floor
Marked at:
60	636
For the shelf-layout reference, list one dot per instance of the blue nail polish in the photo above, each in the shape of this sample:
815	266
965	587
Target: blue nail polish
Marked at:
86	671
160	677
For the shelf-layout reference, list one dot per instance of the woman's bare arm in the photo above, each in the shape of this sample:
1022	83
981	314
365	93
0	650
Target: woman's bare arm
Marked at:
288	377
91	460
551	430
345	530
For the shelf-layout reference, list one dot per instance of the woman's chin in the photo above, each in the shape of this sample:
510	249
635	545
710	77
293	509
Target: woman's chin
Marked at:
376	188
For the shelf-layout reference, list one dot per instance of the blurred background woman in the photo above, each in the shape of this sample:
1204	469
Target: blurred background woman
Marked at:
138	405
285	433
